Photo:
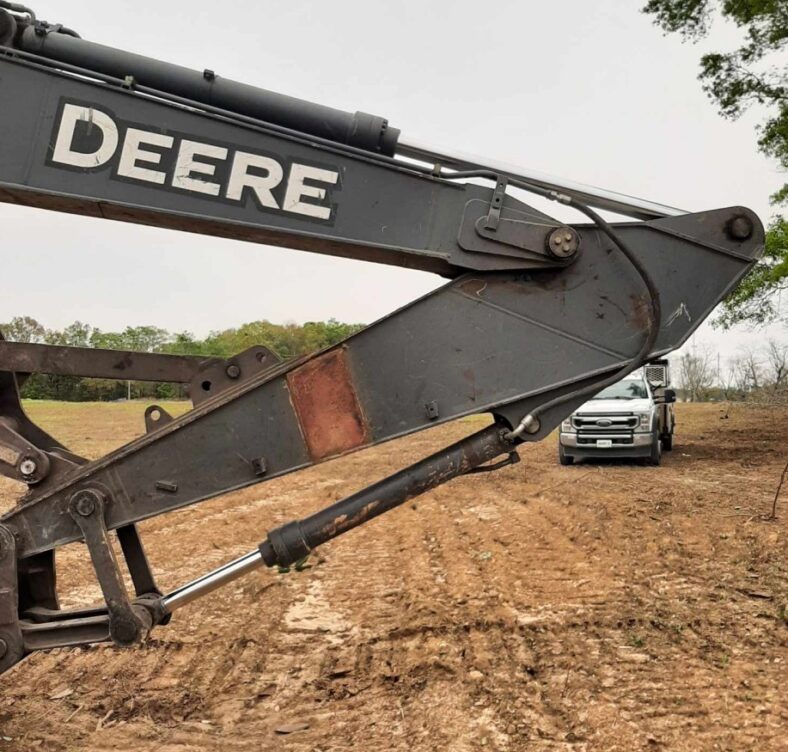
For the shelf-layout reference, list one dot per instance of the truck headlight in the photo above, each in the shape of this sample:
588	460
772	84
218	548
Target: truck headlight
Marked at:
644	422
567	427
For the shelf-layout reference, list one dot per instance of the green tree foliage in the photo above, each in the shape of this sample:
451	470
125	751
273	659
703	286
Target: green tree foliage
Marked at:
753	74
24	329
287	340
749	75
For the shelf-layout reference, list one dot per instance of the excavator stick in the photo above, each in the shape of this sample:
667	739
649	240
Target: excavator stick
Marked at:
536	314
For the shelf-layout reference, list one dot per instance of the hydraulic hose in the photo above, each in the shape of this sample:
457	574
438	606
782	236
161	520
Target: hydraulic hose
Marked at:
530	423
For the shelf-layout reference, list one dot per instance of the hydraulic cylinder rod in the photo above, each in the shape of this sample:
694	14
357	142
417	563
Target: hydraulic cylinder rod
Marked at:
293	541
601	198
212	581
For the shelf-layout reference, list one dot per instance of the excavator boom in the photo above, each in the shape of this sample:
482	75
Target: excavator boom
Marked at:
536	313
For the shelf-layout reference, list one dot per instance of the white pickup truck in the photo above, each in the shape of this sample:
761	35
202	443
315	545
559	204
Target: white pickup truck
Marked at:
632	418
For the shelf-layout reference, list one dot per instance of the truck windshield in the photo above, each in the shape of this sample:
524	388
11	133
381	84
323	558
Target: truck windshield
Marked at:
624	390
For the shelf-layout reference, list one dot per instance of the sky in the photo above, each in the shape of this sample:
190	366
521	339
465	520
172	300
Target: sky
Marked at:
588	91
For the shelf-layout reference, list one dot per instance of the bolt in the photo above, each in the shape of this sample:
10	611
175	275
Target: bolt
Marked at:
563	242
3	649
85	504
233	371
28	467
124	629
739	227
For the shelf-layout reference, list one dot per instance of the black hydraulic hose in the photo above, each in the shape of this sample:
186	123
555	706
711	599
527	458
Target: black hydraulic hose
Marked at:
530	423
17	8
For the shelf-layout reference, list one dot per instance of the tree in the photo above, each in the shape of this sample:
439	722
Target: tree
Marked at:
696	375
736	80
74	335
287	340
751	369
777	363
23	329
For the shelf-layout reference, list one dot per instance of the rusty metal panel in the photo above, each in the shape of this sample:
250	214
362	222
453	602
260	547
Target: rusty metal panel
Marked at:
325	401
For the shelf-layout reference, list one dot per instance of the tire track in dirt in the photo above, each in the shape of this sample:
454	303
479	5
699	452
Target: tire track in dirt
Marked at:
538	608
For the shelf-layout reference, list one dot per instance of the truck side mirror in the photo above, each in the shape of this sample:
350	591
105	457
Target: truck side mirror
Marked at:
669	396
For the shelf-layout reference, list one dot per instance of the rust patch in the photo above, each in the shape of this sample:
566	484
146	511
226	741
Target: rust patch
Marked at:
327	407
641	311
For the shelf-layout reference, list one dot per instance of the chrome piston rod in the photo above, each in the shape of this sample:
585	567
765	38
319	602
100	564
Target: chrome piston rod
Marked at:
601	198
287	544
211	581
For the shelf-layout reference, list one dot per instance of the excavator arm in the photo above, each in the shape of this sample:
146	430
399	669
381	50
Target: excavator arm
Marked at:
535	316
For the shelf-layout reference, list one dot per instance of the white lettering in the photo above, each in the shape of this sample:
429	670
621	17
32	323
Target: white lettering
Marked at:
297	189
132	152
147	156
63	151
187	166
262	185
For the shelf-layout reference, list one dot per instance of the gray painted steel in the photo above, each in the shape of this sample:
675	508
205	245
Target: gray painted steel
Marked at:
380	211
515	327
492	342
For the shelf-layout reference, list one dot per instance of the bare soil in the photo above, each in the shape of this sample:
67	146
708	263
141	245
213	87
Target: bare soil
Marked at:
594	607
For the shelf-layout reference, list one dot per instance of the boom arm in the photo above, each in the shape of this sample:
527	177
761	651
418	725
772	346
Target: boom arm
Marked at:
535	316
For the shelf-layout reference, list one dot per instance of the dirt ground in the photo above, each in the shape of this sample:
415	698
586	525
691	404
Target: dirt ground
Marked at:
596	607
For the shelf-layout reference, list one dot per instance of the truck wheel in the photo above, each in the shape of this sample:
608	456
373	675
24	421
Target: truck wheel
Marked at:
656	451
564	458
667	442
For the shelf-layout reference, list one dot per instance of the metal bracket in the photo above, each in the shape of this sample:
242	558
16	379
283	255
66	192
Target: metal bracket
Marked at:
27	453
512	459
494	216
216	377
156	417
19	459
533	239
127	623
559	241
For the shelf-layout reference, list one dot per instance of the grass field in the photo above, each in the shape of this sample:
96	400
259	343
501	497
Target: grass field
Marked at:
595	607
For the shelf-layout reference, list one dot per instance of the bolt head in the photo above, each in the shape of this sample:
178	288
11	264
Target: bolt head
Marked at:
85	505
28	467
233	371
740	227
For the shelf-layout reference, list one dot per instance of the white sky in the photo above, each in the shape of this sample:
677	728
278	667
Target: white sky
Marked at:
590	91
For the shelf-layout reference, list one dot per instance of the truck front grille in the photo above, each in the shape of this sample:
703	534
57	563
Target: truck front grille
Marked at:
617	428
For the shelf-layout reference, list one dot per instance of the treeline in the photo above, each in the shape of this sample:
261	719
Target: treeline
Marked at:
755	374
286	340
